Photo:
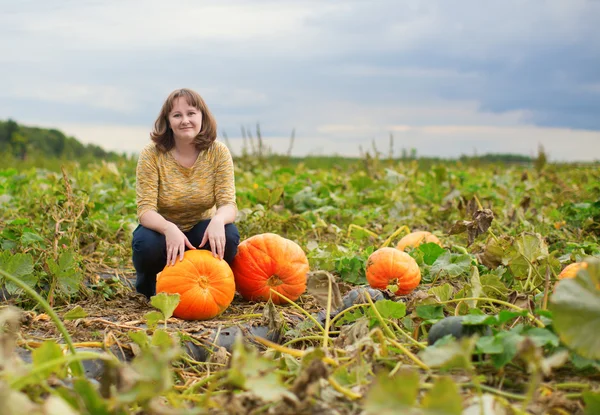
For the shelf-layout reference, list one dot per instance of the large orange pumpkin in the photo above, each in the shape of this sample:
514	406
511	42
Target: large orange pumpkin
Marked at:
571	270
417	238
204	283
268	261
391	267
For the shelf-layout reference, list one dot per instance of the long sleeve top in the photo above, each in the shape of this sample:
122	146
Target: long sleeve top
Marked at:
184	195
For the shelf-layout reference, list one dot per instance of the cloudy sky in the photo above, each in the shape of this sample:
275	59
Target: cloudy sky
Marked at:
444	77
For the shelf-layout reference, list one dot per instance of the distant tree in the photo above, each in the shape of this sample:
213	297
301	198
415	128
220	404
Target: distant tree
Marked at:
19	143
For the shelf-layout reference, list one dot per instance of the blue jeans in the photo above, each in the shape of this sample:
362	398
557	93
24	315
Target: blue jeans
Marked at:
150	252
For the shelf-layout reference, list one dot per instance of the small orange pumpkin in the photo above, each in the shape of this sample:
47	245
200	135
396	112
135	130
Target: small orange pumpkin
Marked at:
417	238
268	261
204	283
571	270
390	266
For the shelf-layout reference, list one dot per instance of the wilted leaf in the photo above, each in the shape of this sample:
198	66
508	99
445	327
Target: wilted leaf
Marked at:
13	402
482	220
272	317
495	251
57	406
249	371
392	395
486	405
575	307
442	398
317	285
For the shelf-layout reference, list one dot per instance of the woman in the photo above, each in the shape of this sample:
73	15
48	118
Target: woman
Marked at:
185	190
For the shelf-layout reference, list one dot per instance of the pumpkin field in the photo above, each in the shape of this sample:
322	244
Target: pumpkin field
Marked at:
473	316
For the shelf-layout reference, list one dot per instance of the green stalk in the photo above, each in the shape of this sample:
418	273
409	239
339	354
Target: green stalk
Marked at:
78	368
327	313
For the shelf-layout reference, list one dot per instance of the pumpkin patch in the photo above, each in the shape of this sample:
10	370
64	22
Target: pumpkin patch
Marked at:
268	261
205	284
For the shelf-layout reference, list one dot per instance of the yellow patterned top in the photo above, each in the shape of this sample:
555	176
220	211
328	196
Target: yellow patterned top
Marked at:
182	195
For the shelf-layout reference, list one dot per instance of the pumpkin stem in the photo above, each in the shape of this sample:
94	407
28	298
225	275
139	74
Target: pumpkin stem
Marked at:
203	282
274	281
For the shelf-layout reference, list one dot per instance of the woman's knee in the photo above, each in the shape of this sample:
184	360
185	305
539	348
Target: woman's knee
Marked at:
148	242
232	240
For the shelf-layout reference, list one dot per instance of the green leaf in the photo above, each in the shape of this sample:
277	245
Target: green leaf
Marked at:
75	313
162	339
431	252
67	273
140	337
389	309
543	337
443	398
29	238
449	355
166	303
49	350
490	320
451	264
592	402
532	246
490	345
152	319
388	396
575	307
430	311
442	292
492	286
509	341
275	195
86	392
20	266
476	288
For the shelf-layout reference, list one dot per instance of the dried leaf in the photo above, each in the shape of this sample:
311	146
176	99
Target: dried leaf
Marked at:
317	285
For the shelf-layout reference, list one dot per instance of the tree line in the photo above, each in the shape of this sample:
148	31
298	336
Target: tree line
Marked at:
22	143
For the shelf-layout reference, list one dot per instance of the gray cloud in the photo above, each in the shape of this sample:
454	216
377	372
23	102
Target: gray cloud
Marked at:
306	64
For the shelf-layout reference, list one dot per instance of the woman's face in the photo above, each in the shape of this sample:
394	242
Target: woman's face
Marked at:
185	120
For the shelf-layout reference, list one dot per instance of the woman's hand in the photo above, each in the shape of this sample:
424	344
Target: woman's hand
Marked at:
176	243
215	236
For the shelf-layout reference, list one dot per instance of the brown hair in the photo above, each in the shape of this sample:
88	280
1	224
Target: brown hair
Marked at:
162	134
